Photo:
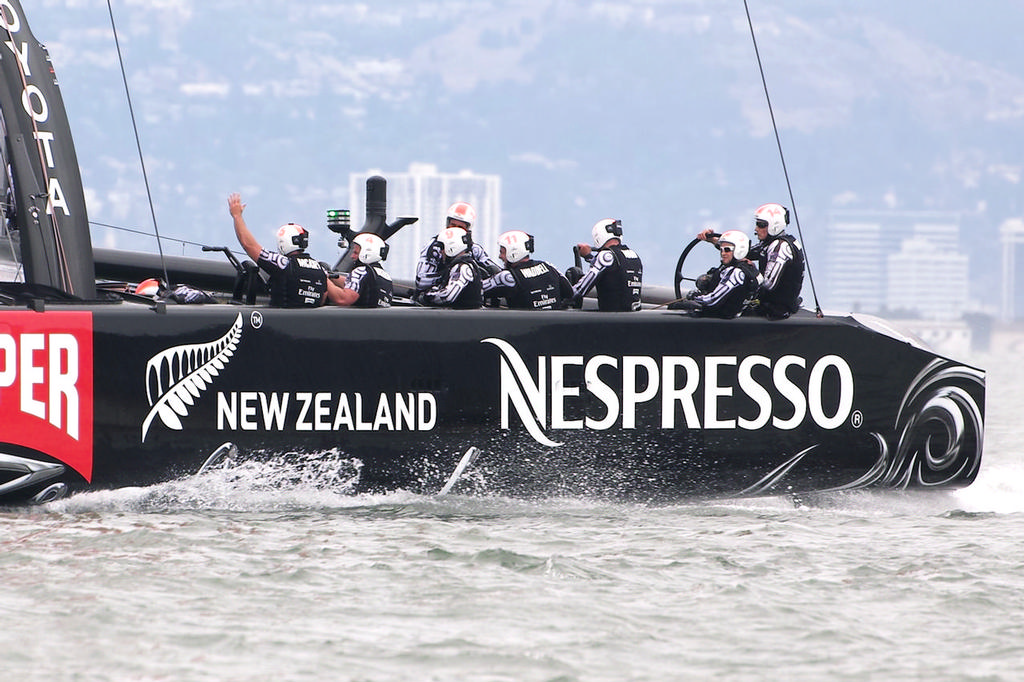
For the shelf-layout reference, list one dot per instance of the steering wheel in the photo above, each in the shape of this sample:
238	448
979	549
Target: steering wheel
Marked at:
680	277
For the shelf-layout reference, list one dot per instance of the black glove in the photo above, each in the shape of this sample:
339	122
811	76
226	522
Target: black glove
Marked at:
574	275
692	294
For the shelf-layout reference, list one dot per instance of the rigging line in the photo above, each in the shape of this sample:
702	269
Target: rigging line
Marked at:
145	234
183	242
62	260
785	172
138	144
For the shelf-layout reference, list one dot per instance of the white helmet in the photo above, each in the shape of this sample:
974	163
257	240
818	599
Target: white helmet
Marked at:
739	240
460	210
455	240
517	244
292	237
606	229
775	217
372	248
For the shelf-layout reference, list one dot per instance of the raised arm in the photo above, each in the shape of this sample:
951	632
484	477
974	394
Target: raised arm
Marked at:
249	244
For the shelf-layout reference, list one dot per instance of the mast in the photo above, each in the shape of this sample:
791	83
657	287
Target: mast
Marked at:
50	213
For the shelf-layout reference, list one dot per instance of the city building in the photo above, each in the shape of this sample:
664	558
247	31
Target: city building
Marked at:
854	267
426	193
926	279
907	262
1011	239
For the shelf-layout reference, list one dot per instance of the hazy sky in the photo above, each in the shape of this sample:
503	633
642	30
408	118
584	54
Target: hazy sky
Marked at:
650	111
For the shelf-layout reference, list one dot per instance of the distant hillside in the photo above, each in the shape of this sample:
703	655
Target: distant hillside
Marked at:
652	111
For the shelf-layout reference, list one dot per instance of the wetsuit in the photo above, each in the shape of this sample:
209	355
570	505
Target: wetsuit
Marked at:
459	285
730	285
781	262
431	263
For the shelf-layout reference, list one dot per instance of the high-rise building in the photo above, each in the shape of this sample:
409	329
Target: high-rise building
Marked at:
896	261
1011	238
926	278
853	258
426	193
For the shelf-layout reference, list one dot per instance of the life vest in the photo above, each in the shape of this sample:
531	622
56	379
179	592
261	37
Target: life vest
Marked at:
538	286
619	286
376	288
301	285
784	299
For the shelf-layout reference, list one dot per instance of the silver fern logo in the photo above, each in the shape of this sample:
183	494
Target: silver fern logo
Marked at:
177	376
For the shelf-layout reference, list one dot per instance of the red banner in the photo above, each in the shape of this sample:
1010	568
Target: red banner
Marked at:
46	385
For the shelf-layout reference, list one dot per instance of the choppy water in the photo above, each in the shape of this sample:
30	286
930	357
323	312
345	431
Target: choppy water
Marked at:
206	580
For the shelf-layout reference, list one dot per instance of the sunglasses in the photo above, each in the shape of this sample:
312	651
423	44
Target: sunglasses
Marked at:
763	224
727	249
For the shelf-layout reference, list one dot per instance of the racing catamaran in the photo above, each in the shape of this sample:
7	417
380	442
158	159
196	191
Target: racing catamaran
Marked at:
100	388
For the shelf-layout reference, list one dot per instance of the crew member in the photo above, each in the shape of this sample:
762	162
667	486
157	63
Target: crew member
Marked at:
368	285
615	270
526	283
297	280
724	290
431	262
459	281
780	259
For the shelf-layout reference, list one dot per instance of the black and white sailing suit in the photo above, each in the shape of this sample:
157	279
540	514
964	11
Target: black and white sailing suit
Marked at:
618	274
781	262
431	263
296	281
530	285
459	285
373	284
730	286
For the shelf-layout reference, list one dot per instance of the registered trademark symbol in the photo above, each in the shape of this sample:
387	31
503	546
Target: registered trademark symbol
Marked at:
256	319
857	419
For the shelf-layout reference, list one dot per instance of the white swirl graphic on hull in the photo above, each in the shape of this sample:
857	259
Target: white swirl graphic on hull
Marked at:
937	436
940	429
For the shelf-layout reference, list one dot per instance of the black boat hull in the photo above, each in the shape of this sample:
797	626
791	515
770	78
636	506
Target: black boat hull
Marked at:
650	406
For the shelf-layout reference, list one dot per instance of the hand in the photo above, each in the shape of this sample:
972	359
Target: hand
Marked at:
705	236
692	294
235	205
574	275
584	249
